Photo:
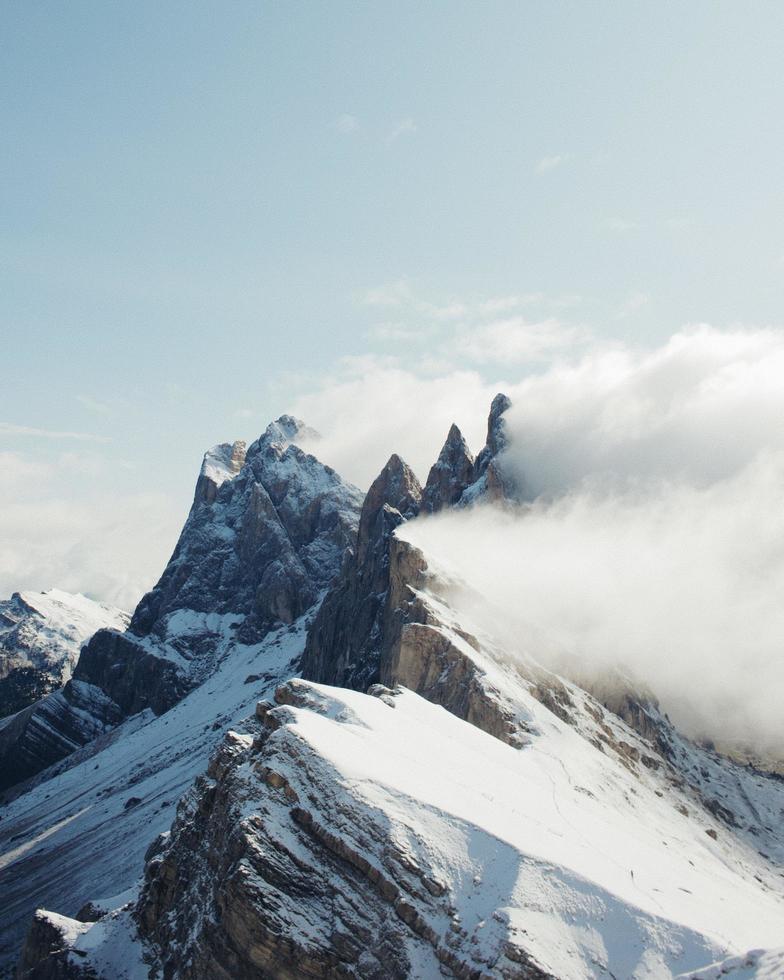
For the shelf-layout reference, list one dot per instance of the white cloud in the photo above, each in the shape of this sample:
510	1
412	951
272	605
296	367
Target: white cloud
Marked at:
549	163
93	405
401	128
620	225
10	429
514	340
373	407
347	124
657	538
635	302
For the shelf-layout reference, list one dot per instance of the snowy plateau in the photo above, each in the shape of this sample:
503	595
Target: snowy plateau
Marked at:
307	757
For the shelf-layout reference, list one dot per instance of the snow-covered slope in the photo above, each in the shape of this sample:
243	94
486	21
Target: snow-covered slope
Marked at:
386	837
41	634
80	834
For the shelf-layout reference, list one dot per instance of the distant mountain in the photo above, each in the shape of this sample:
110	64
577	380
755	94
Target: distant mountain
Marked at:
445	807
41	634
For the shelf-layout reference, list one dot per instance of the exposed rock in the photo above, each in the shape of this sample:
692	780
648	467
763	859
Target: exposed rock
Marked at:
221	463
293	878
51	729
450	475
344	644
41	634
45	955
260	542
491	482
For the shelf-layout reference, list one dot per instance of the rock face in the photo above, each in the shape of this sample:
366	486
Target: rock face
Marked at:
265	536
40	638
381	837
331	903
345	642
349	637
262	538
450	475
490	480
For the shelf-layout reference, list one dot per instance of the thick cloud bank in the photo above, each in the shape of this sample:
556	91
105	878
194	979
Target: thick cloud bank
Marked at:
656	539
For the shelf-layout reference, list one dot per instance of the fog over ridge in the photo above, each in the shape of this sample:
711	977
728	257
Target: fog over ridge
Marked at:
655	535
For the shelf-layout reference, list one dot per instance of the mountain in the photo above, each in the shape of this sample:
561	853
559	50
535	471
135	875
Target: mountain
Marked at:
453	808
41	634
264	537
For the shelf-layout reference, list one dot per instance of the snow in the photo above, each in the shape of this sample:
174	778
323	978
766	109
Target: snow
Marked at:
47	629
70	839
557	842
217	465
757	964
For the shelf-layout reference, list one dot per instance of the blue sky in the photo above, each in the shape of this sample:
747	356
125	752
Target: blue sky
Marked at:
206	207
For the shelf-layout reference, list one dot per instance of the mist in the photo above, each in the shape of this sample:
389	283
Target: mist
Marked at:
654	541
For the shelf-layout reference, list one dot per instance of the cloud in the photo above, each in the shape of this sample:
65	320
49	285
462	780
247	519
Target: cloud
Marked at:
655	541
514	340
92	405
395	293
401	128
347	124
10	429
372	407
635	302
63	523
620	225
546	164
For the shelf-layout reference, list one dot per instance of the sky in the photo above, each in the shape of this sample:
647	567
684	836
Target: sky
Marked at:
377	214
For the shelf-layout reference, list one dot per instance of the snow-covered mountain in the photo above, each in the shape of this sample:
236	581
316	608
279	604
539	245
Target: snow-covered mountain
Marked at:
41	634
453	808
264	537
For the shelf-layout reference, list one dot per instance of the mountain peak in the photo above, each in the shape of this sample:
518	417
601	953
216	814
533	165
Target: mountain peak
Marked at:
282	433
450	474
496	424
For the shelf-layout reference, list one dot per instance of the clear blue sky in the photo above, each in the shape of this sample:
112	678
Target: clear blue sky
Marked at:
203	202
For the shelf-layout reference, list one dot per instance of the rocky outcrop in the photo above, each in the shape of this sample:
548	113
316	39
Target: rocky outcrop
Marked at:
345	642
48	731
294	877
221	463
491	480
130	675
450	475
41	634
46	952
349	636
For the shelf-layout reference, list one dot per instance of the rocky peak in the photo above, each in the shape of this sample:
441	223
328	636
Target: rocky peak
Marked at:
282	433
497	436
450	474
221	463
344	642
396	487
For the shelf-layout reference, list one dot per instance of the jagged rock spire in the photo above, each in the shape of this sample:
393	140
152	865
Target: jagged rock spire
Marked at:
397	487
450	474
497	437
343	645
